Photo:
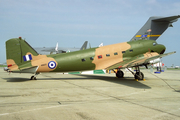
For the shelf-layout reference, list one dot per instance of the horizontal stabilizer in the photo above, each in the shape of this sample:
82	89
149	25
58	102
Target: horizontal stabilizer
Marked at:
27	70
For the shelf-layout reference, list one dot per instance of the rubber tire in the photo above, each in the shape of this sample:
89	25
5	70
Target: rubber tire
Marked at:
119	74
137	76
32	78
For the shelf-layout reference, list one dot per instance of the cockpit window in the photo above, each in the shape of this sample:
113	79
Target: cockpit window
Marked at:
154	44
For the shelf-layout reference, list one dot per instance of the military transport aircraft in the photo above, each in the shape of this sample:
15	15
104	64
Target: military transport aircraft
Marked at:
22	58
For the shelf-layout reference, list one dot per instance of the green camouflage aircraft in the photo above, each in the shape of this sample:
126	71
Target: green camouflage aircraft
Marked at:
22	58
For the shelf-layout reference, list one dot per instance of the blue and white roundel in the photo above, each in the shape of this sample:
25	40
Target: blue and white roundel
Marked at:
51	64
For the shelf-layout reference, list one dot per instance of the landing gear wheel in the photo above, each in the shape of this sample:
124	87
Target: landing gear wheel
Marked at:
33	78
139	76
119	74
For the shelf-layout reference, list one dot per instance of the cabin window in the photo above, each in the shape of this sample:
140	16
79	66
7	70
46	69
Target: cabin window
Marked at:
83	59
130	50
107	55
123	51
99	56
91	58
115	53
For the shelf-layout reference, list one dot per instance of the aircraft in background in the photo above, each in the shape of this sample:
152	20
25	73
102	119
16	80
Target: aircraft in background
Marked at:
50	50
22	58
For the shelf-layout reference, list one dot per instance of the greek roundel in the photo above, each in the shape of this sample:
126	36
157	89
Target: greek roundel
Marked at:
51	64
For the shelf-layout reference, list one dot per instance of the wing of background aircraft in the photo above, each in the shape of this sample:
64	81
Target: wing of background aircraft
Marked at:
154	27
48	50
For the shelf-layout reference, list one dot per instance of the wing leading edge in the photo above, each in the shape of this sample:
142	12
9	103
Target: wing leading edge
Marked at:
139	60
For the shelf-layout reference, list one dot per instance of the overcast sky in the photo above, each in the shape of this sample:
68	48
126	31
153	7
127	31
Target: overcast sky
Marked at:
43	23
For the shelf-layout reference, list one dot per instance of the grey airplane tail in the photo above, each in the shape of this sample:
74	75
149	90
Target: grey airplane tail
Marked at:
154	27
84	46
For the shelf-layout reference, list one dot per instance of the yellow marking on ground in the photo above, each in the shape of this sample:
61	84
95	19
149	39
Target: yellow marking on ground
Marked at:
106	62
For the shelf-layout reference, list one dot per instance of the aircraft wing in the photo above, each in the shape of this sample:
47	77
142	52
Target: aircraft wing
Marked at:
139	60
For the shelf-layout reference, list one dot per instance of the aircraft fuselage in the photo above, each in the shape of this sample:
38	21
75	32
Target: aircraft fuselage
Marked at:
96	58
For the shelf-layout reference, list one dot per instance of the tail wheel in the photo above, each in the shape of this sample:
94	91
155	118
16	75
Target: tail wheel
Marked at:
119	74
33	78
139	76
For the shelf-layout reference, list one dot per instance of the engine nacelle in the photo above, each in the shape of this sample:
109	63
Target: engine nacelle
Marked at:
155	61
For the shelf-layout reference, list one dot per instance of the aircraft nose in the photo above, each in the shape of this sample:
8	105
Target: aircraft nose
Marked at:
162	49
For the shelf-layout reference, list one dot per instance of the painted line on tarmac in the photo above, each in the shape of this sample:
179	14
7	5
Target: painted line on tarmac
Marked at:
32	110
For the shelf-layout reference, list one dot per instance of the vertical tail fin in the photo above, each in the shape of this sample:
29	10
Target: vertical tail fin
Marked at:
84	46
154	27
17	51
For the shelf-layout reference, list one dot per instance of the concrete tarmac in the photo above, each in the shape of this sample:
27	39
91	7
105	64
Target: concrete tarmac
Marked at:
92	97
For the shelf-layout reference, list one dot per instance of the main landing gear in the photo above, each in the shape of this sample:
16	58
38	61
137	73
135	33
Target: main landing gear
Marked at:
34	77
138	75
